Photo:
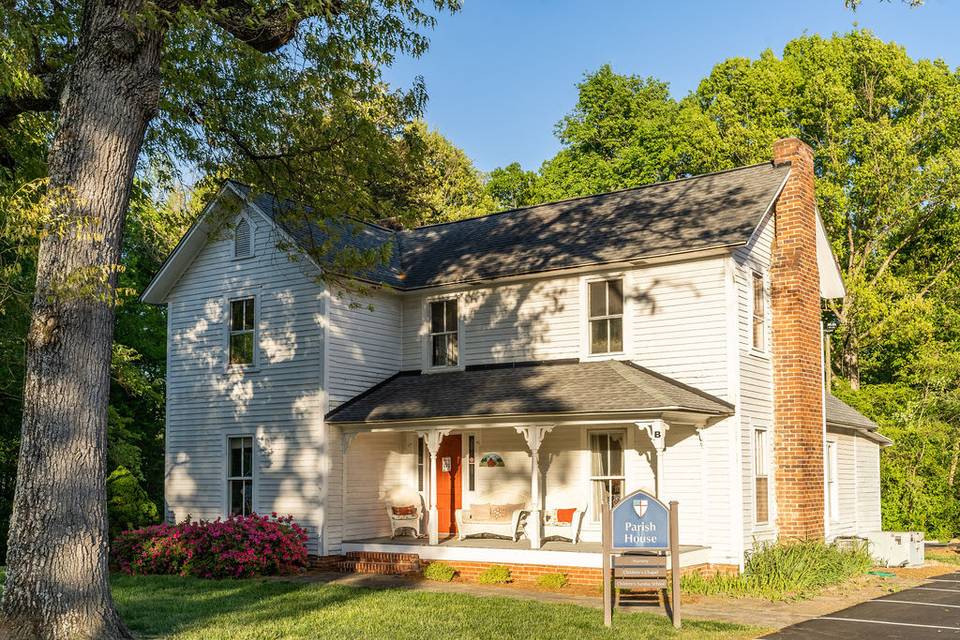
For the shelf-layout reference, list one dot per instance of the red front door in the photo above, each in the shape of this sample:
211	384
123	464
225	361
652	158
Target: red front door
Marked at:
449	486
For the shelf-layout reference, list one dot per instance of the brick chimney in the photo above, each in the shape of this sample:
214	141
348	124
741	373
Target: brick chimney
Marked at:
797	366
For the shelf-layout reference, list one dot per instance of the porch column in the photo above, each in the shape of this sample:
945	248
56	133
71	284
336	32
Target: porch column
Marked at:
656	430
533	434
432	439
345	439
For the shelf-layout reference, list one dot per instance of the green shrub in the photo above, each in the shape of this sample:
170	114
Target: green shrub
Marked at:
495	574
128	505
439	571
785	571
552	580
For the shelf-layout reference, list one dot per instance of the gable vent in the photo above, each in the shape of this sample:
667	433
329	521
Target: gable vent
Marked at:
241	240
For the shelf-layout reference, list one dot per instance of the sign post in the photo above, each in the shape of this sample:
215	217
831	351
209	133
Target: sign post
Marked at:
637	535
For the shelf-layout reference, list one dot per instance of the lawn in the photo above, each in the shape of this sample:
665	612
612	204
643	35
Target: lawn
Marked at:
188	608
943	555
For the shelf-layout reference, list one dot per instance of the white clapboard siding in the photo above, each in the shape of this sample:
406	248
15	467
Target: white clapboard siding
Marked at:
364	343
845	521
755	404
280	403
868	485
377	463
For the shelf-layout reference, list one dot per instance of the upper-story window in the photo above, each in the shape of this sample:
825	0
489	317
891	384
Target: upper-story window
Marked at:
242	240
759	321
242	331
606	316
444	339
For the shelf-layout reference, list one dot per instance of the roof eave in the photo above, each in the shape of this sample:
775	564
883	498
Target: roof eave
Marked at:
696	415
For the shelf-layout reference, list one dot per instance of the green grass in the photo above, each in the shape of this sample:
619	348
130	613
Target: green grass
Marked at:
785	571
193	609
947	557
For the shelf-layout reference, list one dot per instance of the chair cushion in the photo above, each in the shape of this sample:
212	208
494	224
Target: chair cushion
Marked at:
565	515
404	511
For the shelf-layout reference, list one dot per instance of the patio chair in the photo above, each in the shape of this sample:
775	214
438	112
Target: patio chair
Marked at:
405	511
563	522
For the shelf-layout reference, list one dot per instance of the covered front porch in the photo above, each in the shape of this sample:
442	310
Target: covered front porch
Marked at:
513	485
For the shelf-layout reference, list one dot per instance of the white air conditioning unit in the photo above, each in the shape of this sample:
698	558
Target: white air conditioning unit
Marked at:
896	548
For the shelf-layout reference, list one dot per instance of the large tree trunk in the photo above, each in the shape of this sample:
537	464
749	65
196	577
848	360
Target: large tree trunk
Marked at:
57	565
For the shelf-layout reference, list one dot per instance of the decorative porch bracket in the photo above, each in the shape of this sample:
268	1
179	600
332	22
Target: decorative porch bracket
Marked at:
533	434
656	430
432	439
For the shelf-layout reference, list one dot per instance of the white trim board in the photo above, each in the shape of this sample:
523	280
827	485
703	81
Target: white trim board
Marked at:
510	556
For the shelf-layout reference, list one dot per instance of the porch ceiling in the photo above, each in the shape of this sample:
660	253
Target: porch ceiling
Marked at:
567	388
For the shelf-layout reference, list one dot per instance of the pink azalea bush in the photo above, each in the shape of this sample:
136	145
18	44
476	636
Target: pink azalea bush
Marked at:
238	547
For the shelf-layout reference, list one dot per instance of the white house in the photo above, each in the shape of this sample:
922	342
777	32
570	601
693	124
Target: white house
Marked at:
511	373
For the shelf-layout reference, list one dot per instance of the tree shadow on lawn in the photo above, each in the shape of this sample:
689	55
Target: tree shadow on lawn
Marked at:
189	609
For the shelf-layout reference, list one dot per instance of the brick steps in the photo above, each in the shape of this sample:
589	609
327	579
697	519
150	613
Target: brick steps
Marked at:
377	562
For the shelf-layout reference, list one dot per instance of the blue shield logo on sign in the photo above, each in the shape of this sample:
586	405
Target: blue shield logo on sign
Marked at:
640	521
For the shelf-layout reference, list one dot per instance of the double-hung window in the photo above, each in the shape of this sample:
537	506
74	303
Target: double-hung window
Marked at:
242	331
606	468
606	316
240	476
759	324
444	337
761	476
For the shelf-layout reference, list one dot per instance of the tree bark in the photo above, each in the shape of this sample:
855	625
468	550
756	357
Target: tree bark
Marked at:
57	584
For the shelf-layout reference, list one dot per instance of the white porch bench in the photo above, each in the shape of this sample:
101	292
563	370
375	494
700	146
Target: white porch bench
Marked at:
492	519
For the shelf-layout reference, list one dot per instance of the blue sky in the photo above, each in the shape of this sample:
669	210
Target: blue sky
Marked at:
501	73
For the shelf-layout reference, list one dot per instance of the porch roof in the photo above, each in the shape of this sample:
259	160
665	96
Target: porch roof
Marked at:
564	387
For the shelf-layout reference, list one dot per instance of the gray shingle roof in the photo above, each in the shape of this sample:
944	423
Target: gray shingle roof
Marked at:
575	387
840	414
703	212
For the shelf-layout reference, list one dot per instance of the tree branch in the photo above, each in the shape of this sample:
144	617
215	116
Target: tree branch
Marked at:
265	32
48	100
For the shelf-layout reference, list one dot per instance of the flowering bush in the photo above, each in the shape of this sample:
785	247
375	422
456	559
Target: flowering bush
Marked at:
238	547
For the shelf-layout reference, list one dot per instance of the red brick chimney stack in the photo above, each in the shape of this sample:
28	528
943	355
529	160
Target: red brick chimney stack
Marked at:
797	367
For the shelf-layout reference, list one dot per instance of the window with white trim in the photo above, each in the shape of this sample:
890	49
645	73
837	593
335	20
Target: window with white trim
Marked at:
759	320
606	468
760	476
242	240
606	316
242	331
833	486
444	336
421	463
240	476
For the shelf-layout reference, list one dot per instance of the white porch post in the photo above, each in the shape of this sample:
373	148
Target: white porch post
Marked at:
533	434
345	439
432	439
656	430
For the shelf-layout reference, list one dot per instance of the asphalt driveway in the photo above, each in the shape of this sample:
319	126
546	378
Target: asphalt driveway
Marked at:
931	610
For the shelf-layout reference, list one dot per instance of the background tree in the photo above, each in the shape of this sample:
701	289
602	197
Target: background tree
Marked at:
511	186
288	93
885	130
